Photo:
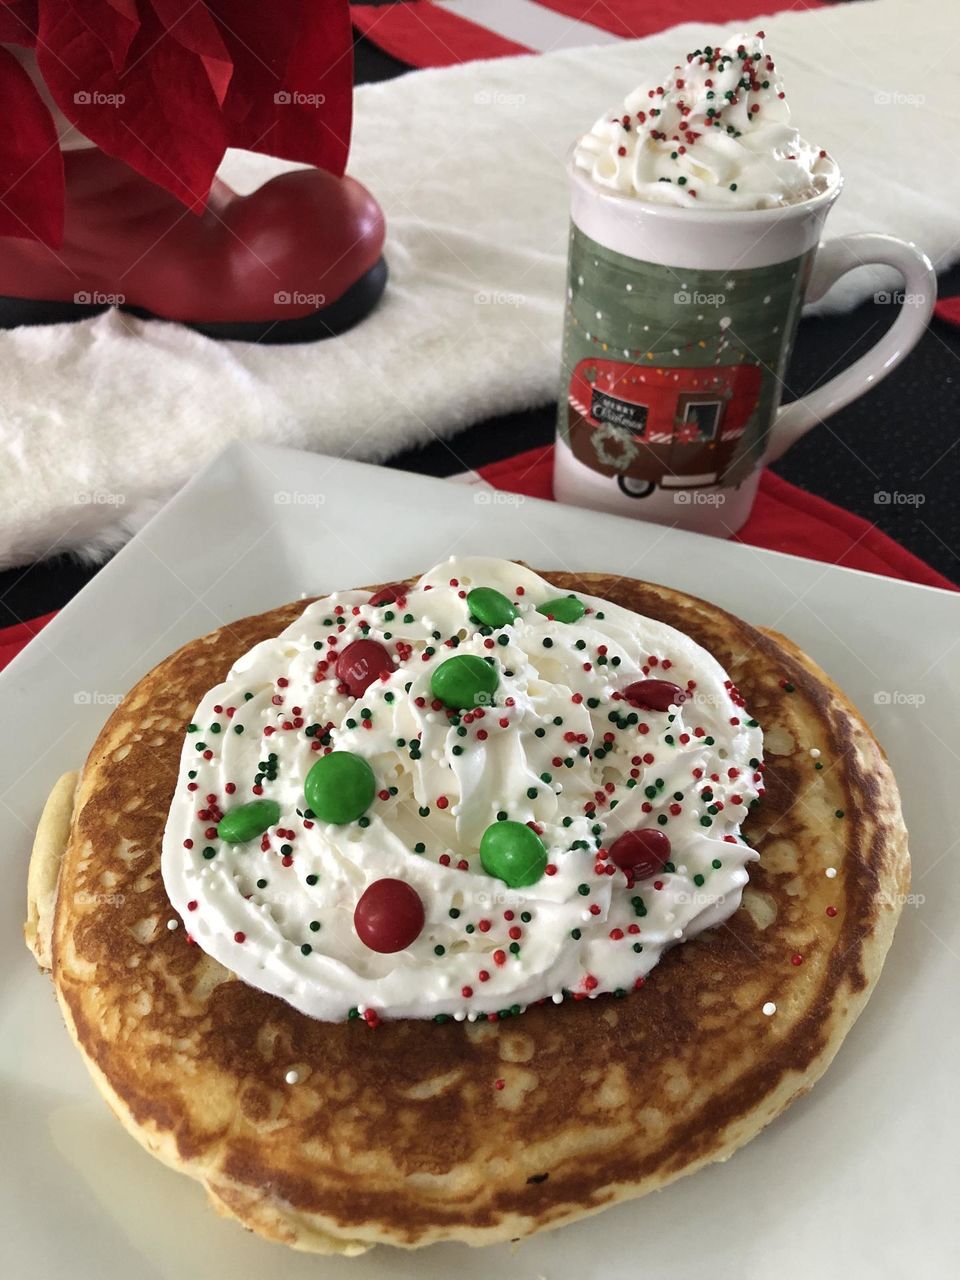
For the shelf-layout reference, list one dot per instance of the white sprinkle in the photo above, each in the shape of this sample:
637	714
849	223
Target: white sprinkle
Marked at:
173	924
769	1008
629	288
831	873
292	1077
557	996
815	752
678	933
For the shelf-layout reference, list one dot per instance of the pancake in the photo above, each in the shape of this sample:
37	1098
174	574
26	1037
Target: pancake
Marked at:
415	1132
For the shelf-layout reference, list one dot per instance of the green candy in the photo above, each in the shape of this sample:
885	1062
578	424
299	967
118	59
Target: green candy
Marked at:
340	787
490	607
247	821
513	853
564	609
464	681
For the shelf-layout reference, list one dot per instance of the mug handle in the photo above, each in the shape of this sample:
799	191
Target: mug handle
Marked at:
833	260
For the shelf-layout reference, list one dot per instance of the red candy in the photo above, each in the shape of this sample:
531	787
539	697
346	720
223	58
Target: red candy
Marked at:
389	593
653	695
642	852
361	663
389	916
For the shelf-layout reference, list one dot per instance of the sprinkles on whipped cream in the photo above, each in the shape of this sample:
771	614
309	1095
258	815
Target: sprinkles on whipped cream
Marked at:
456	798
716	131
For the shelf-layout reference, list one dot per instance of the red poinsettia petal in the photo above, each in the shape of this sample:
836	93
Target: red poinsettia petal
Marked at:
191	24
31	165
18	22
114	24
160	116
292	90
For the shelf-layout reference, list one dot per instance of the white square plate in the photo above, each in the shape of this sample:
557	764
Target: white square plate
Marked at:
858	1179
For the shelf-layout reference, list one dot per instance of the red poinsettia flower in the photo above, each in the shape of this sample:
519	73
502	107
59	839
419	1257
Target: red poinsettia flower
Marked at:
166	86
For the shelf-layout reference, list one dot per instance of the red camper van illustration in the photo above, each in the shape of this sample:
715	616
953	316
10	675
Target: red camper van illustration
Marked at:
650	426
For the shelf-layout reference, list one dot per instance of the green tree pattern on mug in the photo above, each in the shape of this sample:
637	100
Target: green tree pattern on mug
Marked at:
670	375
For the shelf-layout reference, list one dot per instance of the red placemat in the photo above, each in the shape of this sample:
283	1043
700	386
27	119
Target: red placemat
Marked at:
784	518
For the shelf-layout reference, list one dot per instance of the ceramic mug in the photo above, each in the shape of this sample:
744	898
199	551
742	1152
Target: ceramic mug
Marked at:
678	331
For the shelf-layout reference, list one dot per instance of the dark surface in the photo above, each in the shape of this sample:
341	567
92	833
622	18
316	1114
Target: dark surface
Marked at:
900	439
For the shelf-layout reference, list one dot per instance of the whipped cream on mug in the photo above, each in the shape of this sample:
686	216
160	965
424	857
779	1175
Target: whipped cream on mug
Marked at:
716	132
492	835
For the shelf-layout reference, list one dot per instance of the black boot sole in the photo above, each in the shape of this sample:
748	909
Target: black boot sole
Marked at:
15	312
348	310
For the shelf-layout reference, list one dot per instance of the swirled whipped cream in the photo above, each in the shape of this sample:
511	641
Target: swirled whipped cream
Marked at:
716	132
557	747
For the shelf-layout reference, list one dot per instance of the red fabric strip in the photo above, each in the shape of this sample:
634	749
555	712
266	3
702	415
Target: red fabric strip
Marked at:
948	310
13	639
632	18
422	34
784	518
425	35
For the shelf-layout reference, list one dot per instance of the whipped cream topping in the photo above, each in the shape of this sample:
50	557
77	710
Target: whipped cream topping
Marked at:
556	747
716	132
